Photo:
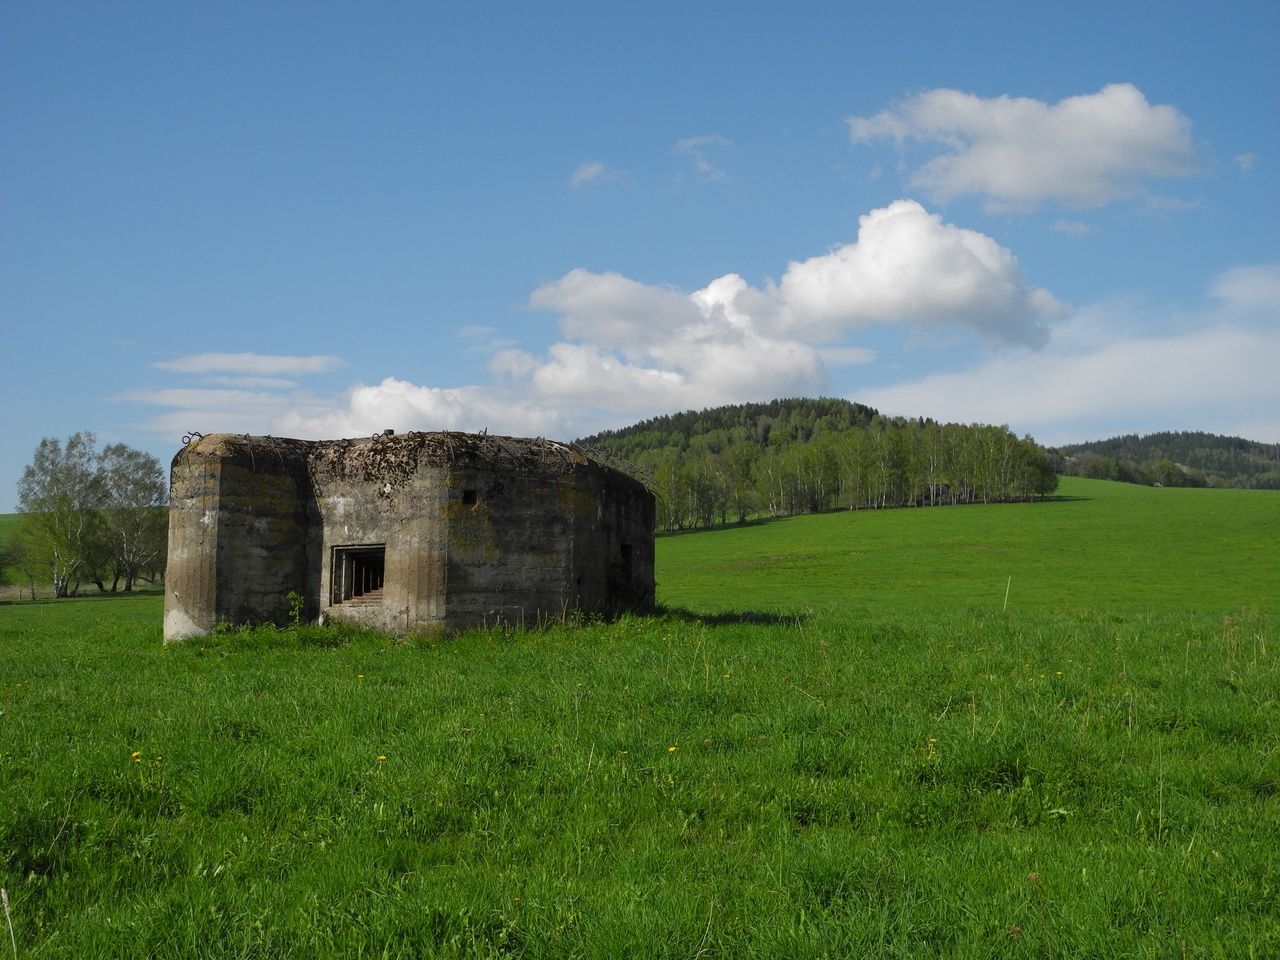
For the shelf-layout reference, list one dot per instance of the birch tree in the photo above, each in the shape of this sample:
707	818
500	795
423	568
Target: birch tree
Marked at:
61	492
133	520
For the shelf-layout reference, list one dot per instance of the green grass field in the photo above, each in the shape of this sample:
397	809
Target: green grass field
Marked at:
878	760
1096	546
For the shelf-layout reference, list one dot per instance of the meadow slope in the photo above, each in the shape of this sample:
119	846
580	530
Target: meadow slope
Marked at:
875	759
1096	545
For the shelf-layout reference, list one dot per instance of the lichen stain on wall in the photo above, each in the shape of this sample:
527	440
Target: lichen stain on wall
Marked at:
471	530
575	500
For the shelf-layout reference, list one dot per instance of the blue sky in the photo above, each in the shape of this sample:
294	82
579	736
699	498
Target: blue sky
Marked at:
327	219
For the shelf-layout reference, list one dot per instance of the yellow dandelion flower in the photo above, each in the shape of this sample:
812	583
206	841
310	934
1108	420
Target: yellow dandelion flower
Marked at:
136	756
382	757
671	749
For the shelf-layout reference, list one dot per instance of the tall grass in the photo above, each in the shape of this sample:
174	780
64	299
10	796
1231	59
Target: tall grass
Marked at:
927	781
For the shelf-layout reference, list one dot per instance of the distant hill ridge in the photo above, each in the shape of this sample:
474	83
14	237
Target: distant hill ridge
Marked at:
1168	458
1176	458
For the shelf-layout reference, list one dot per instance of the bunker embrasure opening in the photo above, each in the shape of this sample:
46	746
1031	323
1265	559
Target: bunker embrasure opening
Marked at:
357	573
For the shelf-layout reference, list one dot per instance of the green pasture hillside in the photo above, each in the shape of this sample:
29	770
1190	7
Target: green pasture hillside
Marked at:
1095	545
833	743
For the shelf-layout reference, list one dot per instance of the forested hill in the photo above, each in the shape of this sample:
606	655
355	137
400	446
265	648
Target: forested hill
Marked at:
806	455
778	421
1181	458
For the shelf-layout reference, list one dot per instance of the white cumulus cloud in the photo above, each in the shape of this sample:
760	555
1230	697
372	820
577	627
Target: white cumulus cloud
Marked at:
614	311
643	348
402	405
1216	373
630	349
635	347
908	266
1019	152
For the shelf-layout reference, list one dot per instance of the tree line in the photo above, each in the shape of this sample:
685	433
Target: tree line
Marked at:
1176	459
734	463
1155	473
89	517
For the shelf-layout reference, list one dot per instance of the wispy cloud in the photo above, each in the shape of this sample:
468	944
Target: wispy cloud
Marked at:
1245	161
594	172
251	383
1165	204
696	149
233	392
251	364
222	410
479	341
1072	228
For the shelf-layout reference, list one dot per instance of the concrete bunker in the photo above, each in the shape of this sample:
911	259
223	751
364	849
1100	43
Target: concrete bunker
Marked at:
402	533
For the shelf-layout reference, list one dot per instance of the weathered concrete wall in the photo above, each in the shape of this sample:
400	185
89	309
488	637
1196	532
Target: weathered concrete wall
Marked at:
473	529
383	492
510	546
191	578
533	543
238	534
618	547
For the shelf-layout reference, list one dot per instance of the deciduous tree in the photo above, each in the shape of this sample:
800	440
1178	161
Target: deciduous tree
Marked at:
92	516
61	492
132	513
